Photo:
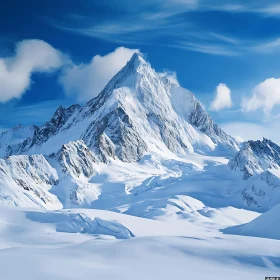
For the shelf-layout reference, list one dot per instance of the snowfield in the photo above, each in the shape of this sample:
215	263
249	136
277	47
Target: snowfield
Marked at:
42	245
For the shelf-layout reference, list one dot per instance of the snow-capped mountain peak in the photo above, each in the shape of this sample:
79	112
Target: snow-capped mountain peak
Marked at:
138	112
136	60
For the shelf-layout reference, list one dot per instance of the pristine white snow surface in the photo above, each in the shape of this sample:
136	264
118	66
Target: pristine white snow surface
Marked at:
267	225
51	245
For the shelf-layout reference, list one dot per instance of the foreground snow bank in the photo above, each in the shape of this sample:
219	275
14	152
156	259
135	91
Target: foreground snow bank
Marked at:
267	225
31	243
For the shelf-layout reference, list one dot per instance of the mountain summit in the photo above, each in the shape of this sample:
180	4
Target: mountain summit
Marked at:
138	112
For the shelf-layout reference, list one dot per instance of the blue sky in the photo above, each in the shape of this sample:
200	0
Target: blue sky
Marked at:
205	42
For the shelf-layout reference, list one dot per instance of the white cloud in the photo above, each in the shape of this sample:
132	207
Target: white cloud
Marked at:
254	131
30	56
222	98
86	81
271	10
171	76
264	96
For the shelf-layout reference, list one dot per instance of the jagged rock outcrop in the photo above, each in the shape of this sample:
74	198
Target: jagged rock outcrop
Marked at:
45	132
261	191
257	166
76	165
256	157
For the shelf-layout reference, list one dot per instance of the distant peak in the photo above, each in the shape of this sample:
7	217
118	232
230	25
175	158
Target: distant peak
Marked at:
265	140
253	143
59	109
18	127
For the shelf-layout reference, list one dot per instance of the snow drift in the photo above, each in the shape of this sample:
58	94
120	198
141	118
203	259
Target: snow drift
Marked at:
267	225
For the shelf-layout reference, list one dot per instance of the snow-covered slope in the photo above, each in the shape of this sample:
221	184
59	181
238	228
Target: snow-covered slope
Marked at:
49	247
75	165
49	182
138	112
267	225
26	181
262	191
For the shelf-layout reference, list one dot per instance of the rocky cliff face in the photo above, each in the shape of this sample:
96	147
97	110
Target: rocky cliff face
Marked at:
76	159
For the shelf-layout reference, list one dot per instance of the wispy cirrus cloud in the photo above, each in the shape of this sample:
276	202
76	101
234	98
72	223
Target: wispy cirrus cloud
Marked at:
272	10
201	47
146	33
172	23
267	8
268	46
